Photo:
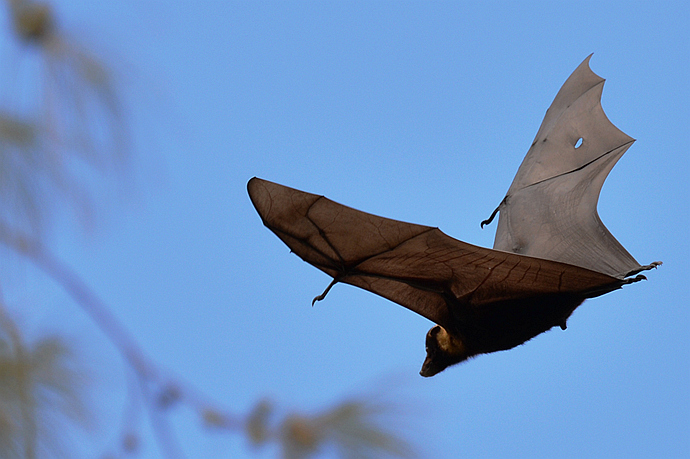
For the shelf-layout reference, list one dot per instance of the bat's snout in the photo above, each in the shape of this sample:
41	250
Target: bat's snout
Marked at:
429	369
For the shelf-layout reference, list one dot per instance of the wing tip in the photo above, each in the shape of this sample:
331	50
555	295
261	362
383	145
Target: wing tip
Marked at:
587	68
260	196
251	186
252	183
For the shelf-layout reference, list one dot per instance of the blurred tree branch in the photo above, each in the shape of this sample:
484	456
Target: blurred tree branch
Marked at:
48	151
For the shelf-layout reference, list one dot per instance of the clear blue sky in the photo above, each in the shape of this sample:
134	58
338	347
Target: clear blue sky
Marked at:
418	111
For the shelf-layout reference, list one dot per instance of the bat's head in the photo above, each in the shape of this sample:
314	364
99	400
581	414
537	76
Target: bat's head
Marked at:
442	351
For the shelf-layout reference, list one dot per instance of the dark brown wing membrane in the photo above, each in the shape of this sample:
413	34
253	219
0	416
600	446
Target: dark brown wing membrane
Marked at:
416	266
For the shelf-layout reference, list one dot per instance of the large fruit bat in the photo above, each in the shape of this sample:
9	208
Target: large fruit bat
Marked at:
551	250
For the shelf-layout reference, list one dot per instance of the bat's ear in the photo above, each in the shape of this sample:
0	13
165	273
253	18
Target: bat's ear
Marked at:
442	351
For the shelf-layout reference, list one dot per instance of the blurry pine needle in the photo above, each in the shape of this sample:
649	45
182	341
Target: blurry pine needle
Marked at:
20	173
76	125
40	389
352	429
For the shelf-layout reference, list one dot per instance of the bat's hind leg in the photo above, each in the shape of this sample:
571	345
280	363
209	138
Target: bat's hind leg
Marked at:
640	277
644	268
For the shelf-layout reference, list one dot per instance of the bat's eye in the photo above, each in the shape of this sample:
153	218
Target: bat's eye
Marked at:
578	143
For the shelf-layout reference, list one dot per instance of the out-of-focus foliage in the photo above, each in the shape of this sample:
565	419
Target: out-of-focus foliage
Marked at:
351	429
20	171
41	389
62	129
61	121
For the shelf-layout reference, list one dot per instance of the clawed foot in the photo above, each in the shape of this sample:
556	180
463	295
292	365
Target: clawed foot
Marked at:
637	278
652	265
644	268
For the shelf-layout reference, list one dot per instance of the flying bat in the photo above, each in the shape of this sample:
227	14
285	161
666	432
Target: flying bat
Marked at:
551	250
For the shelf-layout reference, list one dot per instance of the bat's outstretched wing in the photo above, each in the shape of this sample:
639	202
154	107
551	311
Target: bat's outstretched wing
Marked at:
550	210
416	266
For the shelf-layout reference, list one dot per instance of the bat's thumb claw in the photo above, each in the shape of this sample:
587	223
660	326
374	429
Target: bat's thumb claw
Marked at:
493	214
